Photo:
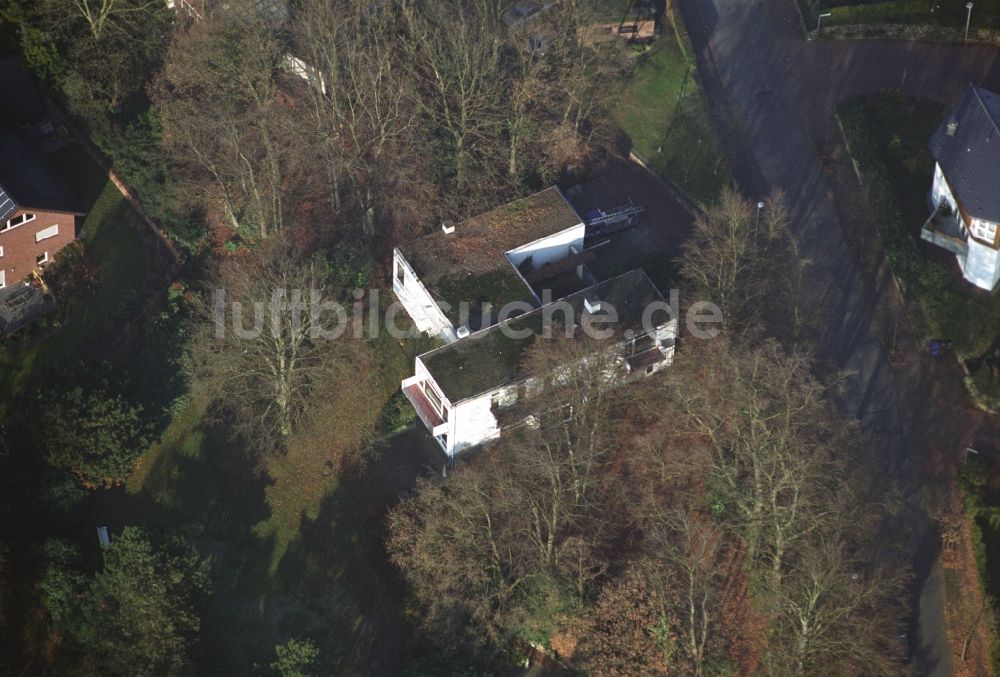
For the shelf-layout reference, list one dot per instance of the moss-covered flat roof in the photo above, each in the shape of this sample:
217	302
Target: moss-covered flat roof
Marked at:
469	264
491	358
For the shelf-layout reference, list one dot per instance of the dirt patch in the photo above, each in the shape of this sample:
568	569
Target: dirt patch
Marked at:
964	605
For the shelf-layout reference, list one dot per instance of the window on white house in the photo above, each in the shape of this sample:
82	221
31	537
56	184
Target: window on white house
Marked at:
46	233
433	396
42	258
18	221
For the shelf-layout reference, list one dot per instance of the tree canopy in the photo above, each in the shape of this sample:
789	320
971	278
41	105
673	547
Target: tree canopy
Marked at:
137	613
92	433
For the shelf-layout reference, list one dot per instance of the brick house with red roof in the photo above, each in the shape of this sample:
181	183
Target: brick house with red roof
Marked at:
38	212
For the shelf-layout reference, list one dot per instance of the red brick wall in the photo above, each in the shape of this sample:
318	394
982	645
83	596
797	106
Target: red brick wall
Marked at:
20	249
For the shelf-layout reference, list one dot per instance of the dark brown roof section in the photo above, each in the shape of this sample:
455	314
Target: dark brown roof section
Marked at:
28	181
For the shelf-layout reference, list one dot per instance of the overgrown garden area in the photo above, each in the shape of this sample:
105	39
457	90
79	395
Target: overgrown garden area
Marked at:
980	491
888	136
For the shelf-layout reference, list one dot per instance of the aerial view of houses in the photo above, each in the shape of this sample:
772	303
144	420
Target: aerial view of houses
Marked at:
524	252
499	337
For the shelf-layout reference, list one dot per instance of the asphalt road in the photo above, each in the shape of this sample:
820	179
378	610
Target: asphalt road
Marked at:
772	95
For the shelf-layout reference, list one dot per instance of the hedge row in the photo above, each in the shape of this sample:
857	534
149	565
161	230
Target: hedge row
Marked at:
909	31
927	283
972	480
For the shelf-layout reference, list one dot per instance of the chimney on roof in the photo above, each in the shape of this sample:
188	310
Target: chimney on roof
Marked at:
591	303
952	127
447	227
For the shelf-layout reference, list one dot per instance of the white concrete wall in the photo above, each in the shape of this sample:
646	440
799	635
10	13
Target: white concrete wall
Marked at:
940	192
418	302
311	75
468	423
474	423
549	249
982	266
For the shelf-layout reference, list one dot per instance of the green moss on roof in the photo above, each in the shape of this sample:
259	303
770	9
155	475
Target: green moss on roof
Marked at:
469	264
483	361
491	358
496	287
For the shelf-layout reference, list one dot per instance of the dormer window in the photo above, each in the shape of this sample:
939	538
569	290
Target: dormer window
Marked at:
18	221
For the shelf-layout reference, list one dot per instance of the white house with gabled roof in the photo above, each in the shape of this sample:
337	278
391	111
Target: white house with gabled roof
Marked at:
965	193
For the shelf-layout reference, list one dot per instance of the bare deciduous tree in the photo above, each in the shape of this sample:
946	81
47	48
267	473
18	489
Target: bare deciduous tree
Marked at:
772	435
261	348
590	74
360	109
223	121
103	17
462	560
689	546
740	258
835	614
455	52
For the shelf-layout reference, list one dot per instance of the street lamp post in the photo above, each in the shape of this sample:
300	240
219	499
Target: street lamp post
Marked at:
819	21
756	218
968	20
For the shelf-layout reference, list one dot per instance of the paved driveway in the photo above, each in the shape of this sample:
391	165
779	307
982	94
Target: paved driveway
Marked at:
772	95
656	241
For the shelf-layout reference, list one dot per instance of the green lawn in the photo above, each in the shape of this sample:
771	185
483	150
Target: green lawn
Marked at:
82	328
663	114
283	564
985	14
280	531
